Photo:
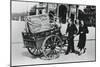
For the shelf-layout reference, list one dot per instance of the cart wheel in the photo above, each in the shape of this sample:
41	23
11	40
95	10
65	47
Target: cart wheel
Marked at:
52	46
34	51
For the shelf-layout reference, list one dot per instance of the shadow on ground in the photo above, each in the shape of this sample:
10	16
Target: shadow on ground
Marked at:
27	54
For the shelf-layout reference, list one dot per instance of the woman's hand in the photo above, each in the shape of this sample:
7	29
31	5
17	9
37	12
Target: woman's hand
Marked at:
75	35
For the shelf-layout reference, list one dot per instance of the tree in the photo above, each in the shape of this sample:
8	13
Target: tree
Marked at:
90	12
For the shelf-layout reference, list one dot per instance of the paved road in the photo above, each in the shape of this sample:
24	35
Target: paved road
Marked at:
20	55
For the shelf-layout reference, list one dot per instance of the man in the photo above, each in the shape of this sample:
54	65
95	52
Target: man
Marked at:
71	30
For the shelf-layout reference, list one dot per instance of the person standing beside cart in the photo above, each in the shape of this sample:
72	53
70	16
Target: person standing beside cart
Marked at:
83	30
71	31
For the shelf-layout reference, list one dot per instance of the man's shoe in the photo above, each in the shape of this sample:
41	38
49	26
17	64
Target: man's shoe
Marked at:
66	53
73	51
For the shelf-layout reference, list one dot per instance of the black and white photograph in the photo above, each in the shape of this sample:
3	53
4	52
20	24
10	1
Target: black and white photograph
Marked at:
52	33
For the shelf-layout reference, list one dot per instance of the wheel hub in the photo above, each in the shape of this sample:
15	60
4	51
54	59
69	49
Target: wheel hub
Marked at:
53	47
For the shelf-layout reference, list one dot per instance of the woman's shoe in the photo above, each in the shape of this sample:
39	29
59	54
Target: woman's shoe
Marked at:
84	50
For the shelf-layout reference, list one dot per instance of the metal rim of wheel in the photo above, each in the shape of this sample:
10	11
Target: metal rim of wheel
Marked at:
34	51
52	46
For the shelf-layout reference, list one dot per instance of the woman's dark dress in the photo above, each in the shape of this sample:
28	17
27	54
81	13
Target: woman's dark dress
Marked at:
82	36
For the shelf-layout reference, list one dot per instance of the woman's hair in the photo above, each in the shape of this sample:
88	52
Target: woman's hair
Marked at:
80	22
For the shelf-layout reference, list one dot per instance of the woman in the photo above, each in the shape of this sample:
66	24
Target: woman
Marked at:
83	30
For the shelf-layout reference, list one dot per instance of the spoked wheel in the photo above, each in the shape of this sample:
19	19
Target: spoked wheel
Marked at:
51	47
35	51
